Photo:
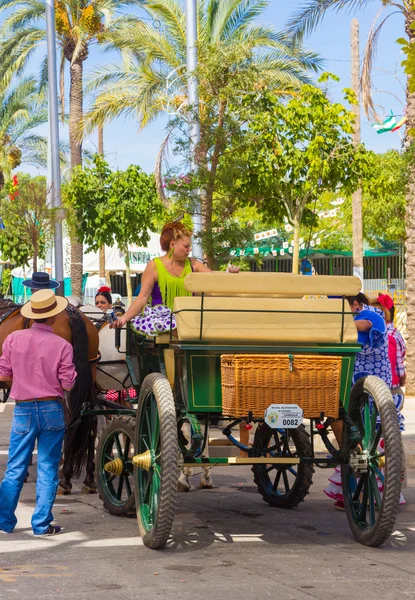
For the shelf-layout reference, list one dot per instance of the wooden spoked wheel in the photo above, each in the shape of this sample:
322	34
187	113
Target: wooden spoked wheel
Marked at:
157	450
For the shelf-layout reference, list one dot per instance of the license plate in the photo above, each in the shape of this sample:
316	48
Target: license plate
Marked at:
283	416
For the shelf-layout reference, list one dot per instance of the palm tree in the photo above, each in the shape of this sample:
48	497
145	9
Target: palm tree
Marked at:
151	79
304	21
22	109
152	75
79	23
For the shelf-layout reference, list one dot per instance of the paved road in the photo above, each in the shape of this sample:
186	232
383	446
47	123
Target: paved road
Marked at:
227	543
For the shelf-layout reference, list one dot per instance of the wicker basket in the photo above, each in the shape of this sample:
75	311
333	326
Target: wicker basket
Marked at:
251	382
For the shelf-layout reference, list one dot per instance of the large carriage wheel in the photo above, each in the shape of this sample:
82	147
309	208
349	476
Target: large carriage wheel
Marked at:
156	464
283	486
372	512
115	446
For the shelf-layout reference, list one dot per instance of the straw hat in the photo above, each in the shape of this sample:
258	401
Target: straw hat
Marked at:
43	304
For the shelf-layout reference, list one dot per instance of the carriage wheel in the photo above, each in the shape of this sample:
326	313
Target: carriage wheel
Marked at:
371	512
283	486
156	464
115	446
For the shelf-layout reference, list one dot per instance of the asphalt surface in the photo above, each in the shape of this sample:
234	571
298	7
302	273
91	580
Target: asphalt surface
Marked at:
226	543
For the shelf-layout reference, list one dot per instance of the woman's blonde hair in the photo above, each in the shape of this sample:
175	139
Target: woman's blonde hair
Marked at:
172	232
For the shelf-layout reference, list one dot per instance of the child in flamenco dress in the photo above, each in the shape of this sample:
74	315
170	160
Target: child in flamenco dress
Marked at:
372	360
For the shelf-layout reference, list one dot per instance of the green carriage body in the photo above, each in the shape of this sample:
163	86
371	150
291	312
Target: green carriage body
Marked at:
200	369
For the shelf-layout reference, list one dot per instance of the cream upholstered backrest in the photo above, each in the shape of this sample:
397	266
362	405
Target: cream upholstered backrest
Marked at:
271	284
245	320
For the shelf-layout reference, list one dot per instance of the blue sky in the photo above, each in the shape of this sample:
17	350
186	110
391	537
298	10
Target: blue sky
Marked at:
124	145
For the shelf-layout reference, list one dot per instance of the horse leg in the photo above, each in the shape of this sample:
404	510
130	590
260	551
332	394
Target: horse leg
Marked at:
183	485
89	486
206	482
66	474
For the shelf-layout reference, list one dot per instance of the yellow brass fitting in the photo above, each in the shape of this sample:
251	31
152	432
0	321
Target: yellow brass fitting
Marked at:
142	461
381	462
116	467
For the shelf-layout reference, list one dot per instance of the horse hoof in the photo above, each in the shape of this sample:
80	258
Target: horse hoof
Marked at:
204	485
182	487
63	491
86	489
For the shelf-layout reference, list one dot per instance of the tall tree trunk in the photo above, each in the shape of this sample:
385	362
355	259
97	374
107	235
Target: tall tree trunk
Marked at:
75	118
410	231
35	255
102	249
128	275
296	246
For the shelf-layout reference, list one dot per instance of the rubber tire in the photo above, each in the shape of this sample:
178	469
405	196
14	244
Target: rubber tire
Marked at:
126	426
158	385
386	516
304	478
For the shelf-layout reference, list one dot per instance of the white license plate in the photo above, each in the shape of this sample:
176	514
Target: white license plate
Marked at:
283	416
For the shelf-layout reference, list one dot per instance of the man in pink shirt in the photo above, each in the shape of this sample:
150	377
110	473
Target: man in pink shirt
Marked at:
40	367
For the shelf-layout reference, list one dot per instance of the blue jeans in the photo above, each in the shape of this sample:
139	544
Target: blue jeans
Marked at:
42	421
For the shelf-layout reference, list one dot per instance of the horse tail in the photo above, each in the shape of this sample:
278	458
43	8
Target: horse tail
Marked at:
76	438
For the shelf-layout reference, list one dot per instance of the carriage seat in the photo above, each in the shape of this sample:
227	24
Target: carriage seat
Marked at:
308	327
271	285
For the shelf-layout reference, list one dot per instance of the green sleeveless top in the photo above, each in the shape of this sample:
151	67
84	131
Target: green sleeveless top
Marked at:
169	285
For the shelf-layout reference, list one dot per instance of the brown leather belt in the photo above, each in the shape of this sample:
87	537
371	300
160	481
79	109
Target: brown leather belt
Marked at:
38	399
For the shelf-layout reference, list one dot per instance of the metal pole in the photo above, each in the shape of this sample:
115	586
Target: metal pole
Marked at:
193	100
357	196
54	141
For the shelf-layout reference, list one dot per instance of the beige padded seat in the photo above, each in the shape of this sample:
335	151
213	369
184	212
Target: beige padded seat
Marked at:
271	284
310	327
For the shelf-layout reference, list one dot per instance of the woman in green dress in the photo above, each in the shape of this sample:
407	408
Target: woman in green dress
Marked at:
163	280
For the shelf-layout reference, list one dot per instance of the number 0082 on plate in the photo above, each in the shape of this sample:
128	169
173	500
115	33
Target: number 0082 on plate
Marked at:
283	416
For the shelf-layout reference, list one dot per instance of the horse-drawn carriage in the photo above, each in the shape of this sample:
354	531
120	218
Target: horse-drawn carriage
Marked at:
258	349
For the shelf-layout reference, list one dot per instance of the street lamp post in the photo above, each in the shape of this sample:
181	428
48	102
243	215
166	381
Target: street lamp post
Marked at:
53	154
193	100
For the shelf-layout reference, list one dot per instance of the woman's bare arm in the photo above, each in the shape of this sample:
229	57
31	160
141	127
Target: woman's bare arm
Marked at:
147	283
199	267
363	325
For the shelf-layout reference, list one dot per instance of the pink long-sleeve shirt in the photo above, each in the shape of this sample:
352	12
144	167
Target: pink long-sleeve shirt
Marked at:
40	363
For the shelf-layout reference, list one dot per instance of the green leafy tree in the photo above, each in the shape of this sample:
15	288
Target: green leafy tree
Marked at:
384	206
108	207
295	151
237	55
226	73
26	221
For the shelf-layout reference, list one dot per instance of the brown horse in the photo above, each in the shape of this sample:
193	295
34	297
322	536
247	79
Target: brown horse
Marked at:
77	329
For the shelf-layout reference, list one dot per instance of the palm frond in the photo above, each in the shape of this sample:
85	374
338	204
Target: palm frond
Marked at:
158	171
366	75
311	13
173	17
238	15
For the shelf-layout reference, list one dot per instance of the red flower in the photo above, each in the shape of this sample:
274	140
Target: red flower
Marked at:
385	301
104	288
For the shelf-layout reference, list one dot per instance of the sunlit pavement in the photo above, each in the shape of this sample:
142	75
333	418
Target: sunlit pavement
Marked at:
226	543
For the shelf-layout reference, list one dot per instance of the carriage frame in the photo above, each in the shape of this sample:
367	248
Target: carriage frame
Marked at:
180	387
